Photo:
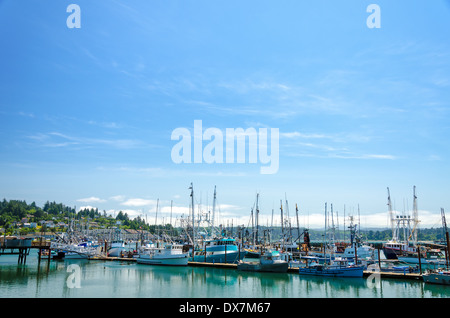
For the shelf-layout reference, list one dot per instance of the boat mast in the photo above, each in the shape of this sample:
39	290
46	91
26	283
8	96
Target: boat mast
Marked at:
257	217
156	216
171	206
333	230
391	216
282	227
344	224
253	227
298	224
325	236
444	226
359	223
415	216
193	212
288	221
213	213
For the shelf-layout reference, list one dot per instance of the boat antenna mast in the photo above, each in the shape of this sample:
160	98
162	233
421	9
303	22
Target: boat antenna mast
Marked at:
298	224
415	216
212	229
282	226
444	226
193	213
257	218
391	216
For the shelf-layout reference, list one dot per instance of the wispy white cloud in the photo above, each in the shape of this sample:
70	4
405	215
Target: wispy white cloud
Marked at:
342	137
26	114
56	139
364	156
91	200
117	198
112	125
139	202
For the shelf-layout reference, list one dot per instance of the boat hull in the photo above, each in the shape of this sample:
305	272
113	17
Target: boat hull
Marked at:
117	251
219	257
356	271
75	256
436	278
167	261
61	255
415	260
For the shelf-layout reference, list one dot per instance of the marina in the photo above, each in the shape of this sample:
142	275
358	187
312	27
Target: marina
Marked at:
210	263
124	278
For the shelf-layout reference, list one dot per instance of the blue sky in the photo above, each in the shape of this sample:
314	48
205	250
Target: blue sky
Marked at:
86	114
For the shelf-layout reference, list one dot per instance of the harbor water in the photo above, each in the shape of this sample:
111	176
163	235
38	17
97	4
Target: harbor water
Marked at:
122	279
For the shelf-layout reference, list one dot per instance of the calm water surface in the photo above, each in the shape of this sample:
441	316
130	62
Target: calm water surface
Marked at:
106	279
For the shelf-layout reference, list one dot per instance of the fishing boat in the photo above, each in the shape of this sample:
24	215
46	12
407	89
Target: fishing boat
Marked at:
73	251
116	248
393	249
65	255
440	276
392	268
269	261
428	255
170	255
357	248
402	223
221	250
337	268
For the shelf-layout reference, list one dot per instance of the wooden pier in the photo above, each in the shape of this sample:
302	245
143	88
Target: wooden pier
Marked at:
22	248
413	276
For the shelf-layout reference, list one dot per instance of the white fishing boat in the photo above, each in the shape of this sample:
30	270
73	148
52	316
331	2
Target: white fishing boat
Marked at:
357	248
70	255
362	252
270	261
74	251
116	248
392	268
170	254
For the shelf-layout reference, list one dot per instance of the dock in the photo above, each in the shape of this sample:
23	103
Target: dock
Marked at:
23	250
413	276
294	270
